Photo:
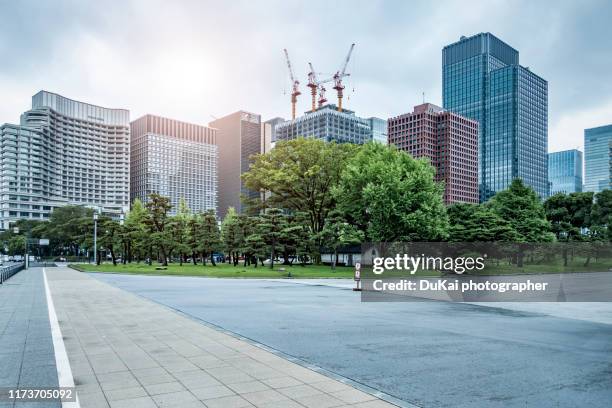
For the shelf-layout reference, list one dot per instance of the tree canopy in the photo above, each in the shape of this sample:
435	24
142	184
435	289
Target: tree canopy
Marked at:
299	175
521	207
392	196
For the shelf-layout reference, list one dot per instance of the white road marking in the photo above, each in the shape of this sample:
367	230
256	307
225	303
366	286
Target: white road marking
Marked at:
64	373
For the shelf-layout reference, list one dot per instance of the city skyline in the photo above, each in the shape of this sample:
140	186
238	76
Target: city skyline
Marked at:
195	72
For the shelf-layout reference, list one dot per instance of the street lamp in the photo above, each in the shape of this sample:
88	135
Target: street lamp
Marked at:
16	231
95	217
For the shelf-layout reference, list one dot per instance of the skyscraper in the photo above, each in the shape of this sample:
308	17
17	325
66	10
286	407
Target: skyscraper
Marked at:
565	171
597	158
239	136
327	123
482	80
449	140
175	159
64	152
379	130
273	122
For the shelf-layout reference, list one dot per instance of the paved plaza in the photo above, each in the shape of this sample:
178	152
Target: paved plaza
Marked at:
126	351
428	353
159	341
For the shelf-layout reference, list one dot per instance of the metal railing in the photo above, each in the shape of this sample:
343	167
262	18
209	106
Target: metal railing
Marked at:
9	270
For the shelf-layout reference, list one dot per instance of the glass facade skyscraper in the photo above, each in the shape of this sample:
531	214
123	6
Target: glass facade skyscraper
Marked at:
273	122
379	130
64	152
482	80
565	171
597	158
175	159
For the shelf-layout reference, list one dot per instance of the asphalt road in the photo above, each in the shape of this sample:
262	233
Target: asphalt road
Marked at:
429	353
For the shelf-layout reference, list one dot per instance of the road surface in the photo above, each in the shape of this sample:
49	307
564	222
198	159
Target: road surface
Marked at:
428	353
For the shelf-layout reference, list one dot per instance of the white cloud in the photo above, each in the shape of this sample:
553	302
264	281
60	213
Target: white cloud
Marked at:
568	131
190	60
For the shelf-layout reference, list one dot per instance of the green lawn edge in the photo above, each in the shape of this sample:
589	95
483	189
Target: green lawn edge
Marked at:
223	271
313	271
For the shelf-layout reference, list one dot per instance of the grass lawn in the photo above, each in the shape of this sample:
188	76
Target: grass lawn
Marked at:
223	270
325	271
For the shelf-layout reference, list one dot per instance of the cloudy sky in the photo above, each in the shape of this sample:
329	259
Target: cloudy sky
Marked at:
196	60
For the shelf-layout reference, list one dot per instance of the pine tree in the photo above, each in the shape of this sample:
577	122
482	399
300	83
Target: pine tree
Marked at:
273	222
157	220
209	236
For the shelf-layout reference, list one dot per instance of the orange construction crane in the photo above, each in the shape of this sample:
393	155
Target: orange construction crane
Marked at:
295	84
338	85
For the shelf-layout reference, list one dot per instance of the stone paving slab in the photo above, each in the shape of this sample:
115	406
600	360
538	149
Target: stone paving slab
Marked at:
27	358
126	351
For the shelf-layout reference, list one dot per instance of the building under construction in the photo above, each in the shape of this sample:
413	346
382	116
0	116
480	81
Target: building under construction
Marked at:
329	124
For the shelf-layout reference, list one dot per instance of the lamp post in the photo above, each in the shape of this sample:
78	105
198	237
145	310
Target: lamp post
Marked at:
95	217
16	231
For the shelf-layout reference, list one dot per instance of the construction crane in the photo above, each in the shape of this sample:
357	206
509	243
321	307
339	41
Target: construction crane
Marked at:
295	85
322	98
338	85
315	85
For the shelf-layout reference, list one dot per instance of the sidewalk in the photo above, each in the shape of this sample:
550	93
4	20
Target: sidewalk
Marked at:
126	351
27	358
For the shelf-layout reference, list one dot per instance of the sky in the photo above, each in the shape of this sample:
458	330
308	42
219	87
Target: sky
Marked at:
199	60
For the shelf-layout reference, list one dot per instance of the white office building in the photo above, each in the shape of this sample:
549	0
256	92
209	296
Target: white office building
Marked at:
64	152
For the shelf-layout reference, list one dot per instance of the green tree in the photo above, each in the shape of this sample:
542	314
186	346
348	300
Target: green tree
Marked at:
209	236
179	230
193	243
306	247
109	238
391	196
569	215
600	232
601	214
478	223
16	245
157	220
273	222
231	235
253	245
522	208
71	227
338	233
135	232
300	174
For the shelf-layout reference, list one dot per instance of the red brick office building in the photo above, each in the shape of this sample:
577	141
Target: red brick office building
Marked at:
449	140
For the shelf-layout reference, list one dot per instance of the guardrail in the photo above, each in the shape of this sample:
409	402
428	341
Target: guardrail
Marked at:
8	271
